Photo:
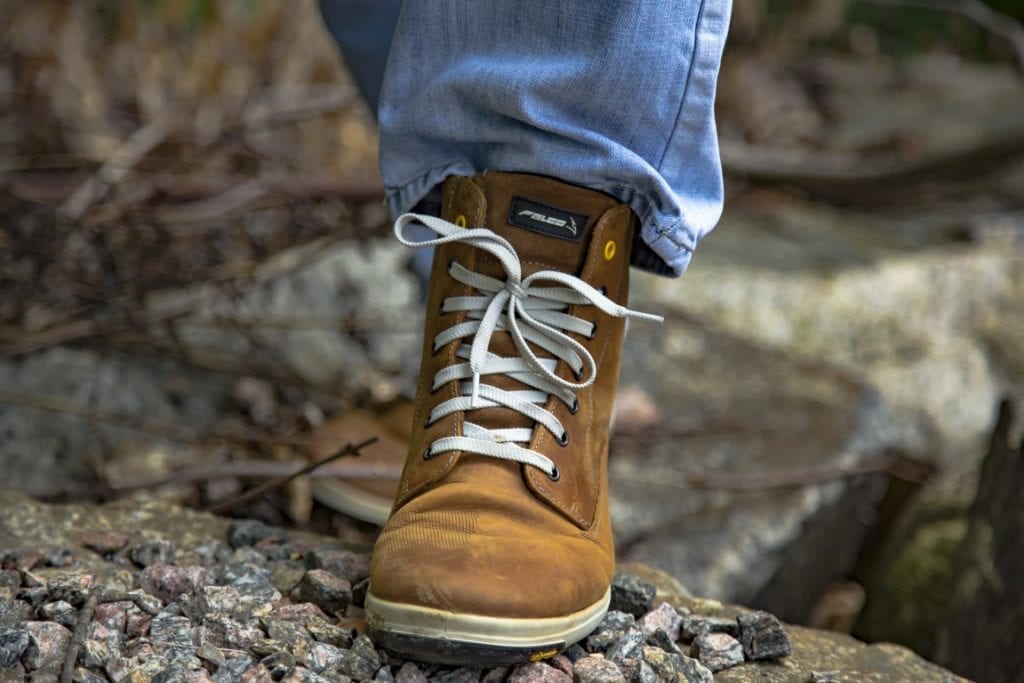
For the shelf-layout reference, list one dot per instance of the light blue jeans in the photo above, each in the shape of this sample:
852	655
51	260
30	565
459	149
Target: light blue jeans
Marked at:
614	95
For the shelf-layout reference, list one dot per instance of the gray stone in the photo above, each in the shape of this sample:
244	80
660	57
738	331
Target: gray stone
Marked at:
646	674
663	618
13	643
354	666
574	653
291	637
629	646
212	599
344	564
362	647
611	628
763	636
384	675
247	532
410	673
47	644
71	588
695	624
321	657
537	672
170	629
693	671
300	675
157	551
14	612
597	669
460	675
660	639
61	612
631	594
167	582
718	651
327	591
331	634
825	677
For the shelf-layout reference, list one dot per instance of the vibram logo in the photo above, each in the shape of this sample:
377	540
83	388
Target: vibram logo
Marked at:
547	220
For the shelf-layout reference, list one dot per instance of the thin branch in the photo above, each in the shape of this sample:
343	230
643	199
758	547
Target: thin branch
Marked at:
78	637
257	491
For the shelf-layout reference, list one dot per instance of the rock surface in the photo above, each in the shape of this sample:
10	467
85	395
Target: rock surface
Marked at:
253	632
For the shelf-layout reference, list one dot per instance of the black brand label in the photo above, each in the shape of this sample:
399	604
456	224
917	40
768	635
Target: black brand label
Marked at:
547	220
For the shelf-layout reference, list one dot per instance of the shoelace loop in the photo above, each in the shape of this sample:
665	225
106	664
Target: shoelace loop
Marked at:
531	314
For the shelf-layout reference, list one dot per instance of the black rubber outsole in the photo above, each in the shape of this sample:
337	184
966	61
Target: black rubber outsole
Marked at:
457	653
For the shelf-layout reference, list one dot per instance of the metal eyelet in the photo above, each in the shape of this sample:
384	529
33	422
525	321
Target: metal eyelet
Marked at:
556	475
427	422
578	374
427	455
451	262
575	407
563	440
434	348
603	290
593	332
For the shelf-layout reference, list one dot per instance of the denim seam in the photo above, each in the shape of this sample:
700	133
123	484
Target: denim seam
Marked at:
683	102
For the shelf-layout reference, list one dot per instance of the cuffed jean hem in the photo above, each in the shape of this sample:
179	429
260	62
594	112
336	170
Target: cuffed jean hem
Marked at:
662	245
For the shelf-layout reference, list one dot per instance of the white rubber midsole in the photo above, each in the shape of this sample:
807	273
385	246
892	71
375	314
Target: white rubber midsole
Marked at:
382	615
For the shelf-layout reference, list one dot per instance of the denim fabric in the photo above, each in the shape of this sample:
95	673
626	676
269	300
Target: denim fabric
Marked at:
616	96
363	30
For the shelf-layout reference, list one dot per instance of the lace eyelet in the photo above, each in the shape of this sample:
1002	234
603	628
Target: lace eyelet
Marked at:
427	422
593	332
434	348
451	262
575	407
603	290
440	309
555	475
427	455
578	374
563	440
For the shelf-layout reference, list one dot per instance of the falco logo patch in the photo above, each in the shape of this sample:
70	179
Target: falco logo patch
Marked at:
547	220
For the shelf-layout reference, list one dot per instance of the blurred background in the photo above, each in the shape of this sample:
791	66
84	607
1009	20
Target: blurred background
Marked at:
197	281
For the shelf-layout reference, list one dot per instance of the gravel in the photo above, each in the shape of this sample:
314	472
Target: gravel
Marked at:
263	607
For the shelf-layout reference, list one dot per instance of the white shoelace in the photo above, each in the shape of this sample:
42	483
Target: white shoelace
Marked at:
531	315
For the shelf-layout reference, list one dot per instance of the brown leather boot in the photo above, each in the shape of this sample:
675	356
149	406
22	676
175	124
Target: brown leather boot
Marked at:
499	546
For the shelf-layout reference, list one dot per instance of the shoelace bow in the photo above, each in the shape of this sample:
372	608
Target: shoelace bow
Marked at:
531	314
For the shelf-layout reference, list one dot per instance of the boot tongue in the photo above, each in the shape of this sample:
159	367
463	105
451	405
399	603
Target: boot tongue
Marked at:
548	222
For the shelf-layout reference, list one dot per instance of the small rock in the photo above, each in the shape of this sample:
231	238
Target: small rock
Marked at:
362	646
61	612
562	663
660	640
629	646
84	675
718	651
499	675
167	582
330	634
105	542
300	675
354	666
663	618
275	549
630	667
384	675
96	654
170	629
324	589
574	653
299	613
13	643
537	672
60	557
597	669
47	644
695	624
410	673
632	594
320	657
253	582
248	532
285	575
359	591
610	629
14	613
461	675
217	599
113	615
208	652
825	677
353	567
278	662
290	636
693	671
230	634
763	637
10	582
72	588
646	674
148	553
